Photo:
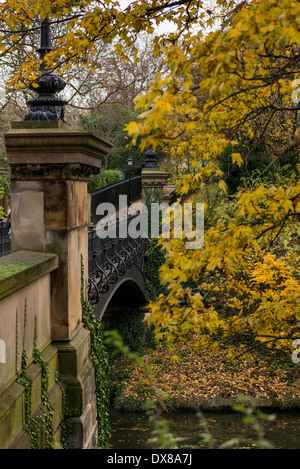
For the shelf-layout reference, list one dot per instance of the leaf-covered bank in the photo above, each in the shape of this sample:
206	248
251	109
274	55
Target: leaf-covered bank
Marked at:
205	380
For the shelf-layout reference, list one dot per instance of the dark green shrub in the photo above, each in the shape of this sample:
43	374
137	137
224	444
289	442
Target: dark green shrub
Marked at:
104	178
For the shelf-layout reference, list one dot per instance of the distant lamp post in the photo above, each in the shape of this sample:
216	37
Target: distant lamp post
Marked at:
46	106
129	162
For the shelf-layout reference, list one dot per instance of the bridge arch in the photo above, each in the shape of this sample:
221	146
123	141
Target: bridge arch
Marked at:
128	291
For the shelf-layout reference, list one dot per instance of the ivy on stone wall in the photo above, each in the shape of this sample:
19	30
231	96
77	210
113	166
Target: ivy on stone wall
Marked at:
40	428
99	358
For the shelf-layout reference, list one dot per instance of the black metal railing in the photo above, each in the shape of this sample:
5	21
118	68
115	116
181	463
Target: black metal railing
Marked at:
131	187
109	258
5	239
112	256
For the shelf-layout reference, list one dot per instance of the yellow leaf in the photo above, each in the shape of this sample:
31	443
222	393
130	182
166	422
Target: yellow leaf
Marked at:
237	158
222	185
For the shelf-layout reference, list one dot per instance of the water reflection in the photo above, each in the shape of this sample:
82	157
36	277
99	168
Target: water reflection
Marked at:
131	430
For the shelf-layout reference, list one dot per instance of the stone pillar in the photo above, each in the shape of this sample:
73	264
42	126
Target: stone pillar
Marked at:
50	166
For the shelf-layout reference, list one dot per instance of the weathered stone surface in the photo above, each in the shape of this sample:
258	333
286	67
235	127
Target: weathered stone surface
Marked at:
12	432
77	375
22	268
30	233
24	287
55	220
11	414
43	145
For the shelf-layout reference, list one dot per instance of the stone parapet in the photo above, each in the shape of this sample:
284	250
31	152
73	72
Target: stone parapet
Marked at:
25	284
25	312
21	268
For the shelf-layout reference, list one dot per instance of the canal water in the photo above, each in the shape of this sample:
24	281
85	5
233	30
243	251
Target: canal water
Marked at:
132	430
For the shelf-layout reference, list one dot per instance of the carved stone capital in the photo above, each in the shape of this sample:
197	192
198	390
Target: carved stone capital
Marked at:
52	171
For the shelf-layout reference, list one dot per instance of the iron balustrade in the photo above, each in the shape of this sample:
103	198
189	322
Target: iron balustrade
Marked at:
132	187
110	257
5	238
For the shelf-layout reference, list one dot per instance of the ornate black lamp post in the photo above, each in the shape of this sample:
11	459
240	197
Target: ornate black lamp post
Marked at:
129	161
47	106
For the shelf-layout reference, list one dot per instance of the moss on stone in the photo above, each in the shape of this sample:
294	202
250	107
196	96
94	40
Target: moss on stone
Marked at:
22	268
11	269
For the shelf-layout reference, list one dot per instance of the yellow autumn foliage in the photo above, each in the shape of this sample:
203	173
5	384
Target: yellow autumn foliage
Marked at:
263	301
231	67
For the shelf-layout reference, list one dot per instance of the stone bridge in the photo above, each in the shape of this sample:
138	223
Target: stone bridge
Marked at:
41	279
115	264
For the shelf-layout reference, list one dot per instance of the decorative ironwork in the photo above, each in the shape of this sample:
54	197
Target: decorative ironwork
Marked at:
53	171
5	238
47	106
110	258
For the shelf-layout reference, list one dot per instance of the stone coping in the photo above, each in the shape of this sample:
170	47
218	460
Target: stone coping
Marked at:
22	268
155	171
38	143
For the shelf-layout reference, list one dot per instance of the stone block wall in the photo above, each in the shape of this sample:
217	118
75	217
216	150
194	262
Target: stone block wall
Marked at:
25	315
